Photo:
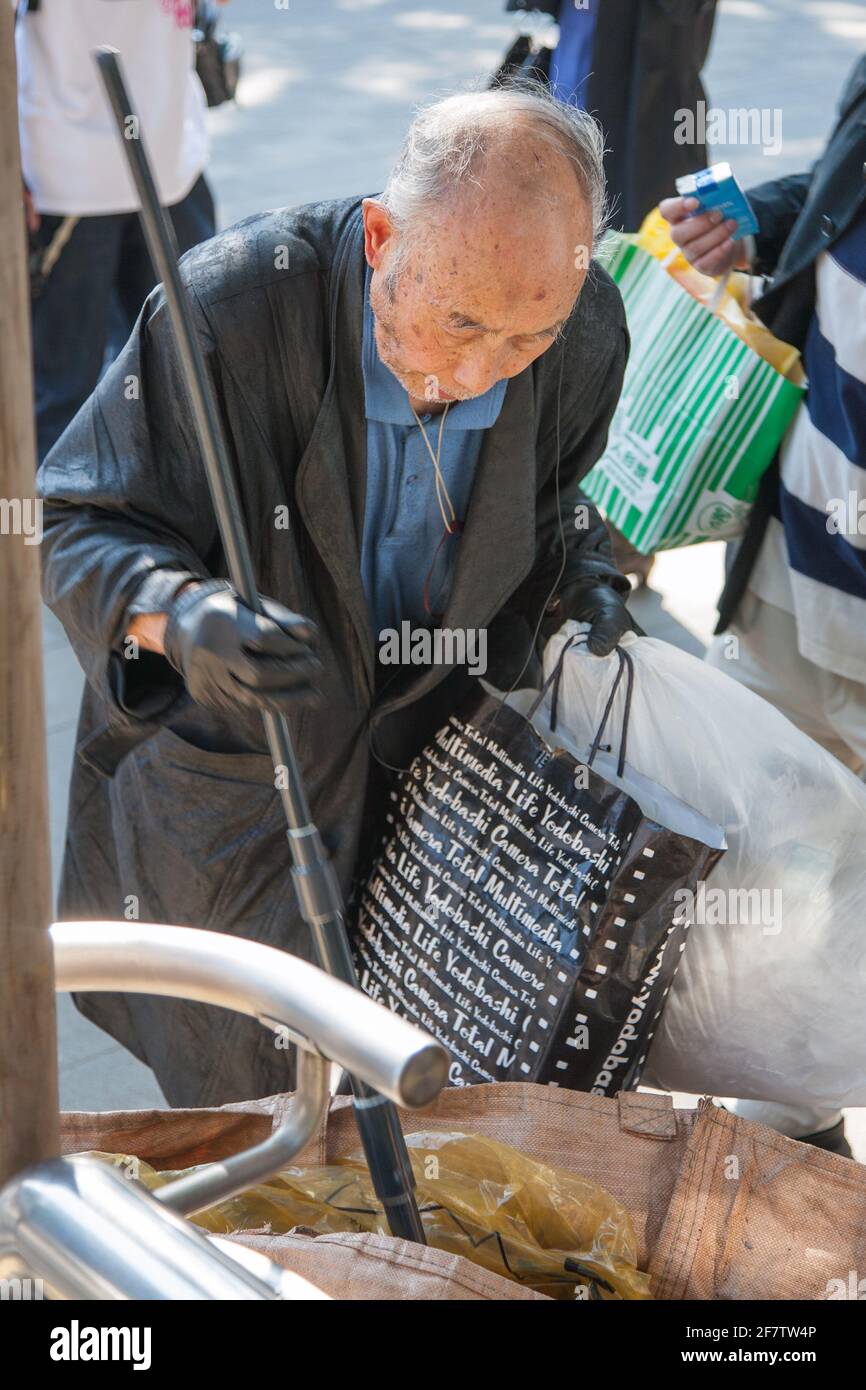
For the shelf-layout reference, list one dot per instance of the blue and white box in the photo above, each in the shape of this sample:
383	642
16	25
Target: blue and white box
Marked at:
718	191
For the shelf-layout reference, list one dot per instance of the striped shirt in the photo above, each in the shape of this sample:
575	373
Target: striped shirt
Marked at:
813	559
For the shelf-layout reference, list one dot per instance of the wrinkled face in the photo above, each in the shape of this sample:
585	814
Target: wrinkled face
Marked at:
484	289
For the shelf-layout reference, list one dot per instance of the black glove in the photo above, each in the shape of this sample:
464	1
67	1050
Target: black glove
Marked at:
230	656
594	602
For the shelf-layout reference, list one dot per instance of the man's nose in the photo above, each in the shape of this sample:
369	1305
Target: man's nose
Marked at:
476	371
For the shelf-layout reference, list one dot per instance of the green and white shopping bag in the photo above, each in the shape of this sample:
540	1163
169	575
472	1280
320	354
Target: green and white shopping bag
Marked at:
699	420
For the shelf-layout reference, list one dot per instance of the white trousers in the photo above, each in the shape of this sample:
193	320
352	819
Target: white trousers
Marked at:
831	709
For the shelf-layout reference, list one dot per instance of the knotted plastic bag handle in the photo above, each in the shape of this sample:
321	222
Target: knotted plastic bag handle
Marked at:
626	665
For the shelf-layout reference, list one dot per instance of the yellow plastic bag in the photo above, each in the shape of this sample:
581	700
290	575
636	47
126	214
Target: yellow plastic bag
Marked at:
541	1226
731	304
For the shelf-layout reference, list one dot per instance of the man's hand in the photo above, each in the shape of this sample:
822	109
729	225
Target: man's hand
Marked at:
231	657
594	602
706	240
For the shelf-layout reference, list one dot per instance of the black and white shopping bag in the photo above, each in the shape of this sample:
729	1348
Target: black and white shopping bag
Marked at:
522	909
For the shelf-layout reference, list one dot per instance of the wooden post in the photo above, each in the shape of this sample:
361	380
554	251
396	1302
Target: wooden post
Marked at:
28	1034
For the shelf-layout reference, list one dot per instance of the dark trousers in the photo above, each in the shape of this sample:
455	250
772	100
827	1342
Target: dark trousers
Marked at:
91	299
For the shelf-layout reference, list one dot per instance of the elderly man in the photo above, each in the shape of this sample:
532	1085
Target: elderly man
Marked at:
412	386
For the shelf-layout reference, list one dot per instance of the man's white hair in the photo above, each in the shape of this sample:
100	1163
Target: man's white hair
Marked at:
448	141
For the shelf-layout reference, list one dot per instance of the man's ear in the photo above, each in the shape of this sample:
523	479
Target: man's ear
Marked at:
379	231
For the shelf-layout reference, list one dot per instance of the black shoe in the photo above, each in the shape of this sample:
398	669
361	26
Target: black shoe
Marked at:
832	1139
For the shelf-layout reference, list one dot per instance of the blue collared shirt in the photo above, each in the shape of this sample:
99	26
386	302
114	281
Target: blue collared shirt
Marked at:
403	525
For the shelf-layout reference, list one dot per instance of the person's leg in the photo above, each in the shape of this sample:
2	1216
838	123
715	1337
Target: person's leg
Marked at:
760	651
810	1124
763	655
70	321
844	707
193	219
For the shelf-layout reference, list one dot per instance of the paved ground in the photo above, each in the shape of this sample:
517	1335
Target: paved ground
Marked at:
329	87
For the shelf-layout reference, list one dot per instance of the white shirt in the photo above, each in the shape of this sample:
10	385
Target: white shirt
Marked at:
72	159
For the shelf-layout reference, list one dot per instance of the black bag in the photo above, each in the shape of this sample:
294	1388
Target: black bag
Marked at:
523	910
217	55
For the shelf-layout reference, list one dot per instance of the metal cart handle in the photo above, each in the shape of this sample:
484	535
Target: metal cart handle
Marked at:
329	1020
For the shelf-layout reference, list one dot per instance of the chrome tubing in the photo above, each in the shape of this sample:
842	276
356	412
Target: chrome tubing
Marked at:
325	1017
86	1232
215	1182
316	1010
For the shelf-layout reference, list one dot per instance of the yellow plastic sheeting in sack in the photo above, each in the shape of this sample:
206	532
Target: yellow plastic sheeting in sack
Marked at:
538	1225
731	304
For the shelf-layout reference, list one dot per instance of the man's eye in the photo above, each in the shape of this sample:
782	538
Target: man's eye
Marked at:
463	332
534	339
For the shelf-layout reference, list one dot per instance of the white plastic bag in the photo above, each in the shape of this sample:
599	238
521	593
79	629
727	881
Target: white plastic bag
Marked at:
769	1002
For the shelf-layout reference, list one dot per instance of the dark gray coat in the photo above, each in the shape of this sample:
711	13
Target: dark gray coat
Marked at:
165	824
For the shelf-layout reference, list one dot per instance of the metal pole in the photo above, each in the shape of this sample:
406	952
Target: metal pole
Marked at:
319	896
28	1037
